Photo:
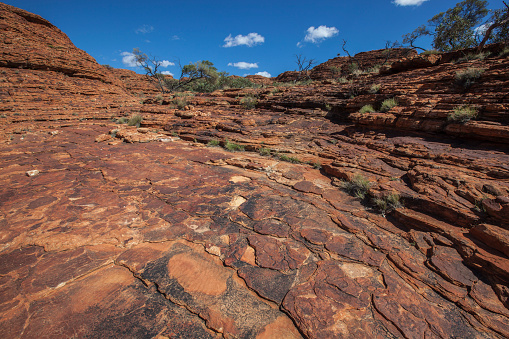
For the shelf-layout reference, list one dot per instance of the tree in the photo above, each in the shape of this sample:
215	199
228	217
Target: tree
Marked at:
455	28
202	72
304	64
409	38
150	66
497	27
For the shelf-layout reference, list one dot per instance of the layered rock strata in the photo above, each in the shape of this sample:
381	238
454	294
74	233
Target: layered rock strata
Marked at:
110	230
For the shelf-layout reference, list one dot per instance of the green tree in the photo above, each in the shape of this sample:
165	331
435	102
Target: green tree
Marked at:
496	28
455	28
199	77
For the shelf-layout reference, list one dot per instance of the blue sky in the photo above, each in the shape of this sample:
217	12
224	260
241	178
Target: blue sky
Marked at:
239	37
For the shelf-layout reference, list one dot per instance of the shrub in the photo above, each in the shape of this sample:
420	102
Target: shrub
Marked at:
264	151
375	88
286	158
367	109
374	69
474	56
316	165
352	68
213	142
504	52
183	95
135	120
248	102
358	186
328	107
387	203
388	104
462	114
468	76
122	120
159	98
232	147
430	52
335	69
343	80
180	102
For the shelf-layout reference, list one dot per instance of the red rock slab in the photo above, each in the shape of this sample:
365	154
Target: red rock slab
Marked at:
102	304
449	264
189	276
270	284
336	302
493	236
279	254
414	313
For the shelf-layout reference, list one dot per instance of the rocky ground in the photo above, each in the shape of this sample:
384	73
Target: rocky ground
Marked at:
109	230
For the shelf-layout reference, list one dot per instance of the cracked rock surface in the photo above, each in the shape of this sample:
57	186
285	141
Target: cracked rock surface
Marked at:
109	230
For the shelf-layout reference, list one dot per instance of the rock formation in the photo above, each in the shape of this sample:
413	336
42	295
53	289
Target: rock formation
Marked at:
109	230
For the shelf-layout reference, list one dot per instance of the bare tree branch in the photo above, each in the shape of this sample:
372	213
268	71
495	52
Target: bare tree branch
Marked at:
304	65
348	53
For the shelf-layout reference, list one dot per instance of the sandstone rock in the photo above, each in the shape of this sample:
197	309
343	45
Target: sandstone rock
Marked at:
160	236
32	173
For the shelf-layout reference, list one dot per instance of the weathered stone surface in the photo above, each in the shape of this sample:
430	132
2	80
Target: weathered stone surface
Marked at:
146	232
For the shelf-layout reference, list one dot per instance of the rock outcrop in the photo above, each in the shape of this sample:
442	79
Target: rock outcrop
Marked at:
212	220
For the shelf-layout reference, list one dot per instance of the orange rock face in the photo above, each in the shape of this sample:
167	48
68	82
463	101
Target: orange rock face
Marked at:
218	221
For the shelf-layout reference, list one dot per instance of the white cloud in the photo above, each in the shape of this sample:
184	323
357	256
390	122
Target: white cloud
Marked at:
249	40
166	63
244	65
129	59
167	73
299	44
144	29
409	2
481	30
316	35
264	74
175	37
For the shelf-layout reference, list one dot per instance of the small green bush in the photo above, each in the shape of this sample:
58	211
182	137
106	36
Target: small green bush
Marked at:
358	186
122	120
232	147
343	80
316	165
367	109
388	104
213	143
430	52
462	114
375	88
374	69
264	151
159	98
248	102
504	52
468	76
474	56
135	120
180	102
283	84
387	203
286	158
353	68
335	69
328	107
